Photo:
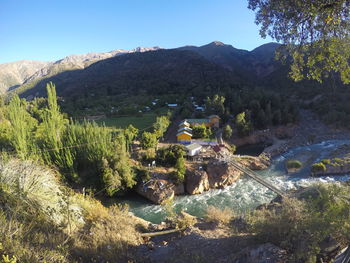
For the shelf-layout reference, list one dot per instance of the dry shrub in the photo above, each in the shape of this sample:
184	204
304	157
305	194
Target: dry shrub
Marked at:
43	221
219	216
109	233
40	187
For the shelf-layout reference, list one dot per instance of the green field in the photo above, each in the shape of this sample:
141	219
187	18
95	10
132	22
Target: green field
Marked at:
143	122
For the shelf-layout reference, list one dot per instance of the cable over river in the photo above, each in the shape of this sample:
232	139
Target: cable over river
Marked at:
246	193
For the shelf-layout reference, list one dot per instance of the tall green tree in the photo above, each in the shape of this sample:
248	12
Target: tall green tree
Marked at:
215	105
21	127
315	33
161	125
148	140
227	132
243	124
130	134
180	170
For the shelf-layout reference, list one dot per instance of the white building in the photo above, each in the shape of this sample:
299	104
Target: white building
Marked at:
193	149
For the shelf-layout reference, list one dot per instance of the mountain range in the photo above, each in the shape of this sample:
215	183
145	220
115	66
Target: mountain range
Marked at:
15	74
151	70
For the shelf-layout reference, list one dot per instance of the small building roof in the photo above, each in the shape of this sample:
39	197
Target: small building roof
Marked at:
172	105
216	148
193	146
197	120
185	129
214	116
184	122
183	132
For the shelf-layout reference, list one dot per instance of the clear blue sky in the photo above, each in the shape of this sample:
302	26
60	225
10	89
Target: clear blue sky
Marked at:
51	29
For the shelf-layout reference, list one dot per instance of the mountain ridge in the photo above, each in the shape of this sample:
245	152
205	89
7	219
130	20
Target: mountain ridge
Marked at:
235	64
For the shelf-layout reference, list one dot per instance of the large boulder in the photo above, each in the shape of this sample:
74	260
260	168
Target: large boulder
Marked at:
156	190
179	189
221	174
254	163
197	182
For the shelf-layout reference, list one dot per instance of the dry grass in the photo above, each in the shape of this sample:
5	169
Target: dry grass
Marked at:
219	216
39	186
43	221
109	233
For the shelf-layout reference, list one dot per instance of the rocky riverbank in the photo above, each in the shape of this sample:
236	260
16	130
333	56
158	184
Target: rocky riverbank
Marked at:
309	130
200	177
208	241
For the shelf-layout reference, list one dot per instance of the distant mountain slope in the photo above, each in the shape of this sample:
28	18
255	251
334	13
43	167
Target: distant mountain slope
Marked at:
225	55
16	73
259	61
157	72
213	66
79	62
28	72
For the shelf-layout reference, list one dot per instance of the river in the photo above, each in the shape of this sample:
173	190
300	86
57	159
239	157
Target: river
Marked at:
247	194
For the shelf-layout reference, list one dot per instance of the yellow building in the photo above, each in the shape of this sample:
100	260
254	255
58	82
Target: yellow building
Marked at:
211	121
184	136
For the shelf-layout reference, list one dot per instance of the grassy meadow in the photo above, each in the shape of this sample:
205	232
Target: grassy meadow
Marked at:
139	122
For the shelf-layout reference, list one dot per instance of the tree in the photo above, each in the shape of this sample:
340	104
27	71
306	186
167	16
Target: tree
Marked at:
161	125
315	33
148	140
22	125
215	105
200	131
227	132
243	125
180	170
130	134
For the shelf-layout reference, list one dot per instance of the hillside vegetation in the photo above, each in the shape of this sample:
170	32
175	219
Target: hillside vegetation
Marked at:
85	153
44	221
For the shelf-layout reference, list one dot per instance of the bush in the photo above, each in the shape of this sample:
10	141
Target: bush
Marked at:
219	216
326	161
318	168
148	140
293	164
233	148
168	156
201	132
43	221
227	132
180	170
301	225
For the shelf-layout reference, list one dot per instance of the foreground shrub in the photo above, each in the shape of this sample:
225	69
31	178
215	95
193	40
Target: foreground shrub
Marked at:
41	220
219	216
109	233
300	226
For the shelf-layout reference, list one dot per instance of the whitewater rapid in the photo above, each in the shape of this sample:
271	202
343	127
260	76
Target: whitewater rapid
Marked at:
247	194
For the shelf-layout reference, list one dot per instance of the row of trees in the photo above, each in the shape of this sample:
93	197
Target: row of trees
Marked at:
83	152
149	140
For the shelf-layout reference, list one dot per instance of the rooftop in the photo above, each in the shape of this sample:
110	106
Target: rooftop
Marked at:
197	120
183	132
193	146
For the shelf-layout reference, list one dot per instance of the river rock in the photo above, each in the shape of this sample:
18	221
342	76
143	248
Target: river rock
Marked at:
334	170
197	182
156	190
179	189
265	253
221	174
254	163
